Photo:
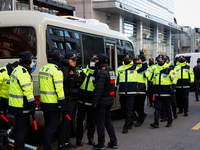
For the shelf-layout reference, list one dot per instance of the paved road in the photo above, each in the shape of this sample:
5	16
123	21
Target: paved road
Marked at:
178	137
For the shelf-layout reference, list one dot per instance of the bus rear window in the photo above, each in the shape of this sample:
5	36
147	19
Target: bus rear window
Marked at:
14	40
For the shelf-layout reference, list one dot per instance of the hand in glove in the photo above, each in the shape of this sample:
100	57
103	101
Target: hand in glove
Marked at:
191	87
82	76
32	111
142	56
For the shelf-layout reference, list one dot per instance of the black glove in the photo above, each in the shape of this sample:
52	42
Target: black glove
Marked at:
32	111
94	106
62	102
191	87
141	53
82	76
173	89
63	109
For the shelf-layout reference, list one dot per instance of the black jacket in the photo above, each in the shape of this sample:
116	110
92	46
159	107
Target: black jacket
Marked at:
71	82
105	86
196	72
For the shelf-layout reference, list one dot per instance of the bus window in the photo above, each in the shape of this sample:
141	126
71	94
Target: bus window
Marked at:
14	40
91	45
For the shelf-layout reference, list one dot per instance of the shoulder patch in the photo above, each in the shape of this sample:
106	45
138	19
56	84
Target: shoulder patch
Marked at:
2	70
24	71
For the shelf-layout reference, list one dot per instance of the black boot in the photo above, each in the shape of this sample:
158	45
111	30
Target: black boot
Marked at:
79	142
91	141
99	147
112	145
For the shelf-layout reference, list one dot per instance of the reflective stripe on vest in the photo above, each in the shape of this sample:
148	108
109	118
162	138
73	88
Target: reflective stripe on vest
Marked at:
16	96
48	93
45	74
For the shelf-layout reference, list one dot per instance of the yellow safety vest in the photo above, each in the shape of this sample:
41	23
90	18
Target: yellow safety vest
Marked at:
4	83
51	84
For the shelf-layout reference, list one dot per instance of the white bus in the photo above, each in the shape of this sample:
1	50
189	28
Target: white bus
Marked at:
41	32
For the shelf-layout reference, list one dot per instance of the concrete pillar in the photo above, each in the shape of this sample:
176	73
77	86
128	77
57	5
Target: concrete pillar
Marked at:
169	47
155	42
13	5
31	4
117	23
139	37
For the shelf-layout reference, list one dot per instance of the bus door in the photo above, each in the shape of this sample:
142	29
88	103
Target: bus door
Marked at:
111	52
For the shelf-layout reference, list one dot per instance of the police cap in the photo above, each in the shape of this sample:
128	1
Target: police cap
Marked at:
128	57
54	54
102	57
137	57
161	58
181	58
71	55
151	60
26	55
93	57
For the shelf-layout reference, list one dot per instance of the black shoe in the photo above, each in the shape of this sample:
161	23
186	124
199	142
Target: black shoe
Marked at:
112	145
185	114
99	147
163	120
91	142
169	125
138	124
175	115
125	130
70	146
62	148
154	125
79	142
197	100
180	111
131	125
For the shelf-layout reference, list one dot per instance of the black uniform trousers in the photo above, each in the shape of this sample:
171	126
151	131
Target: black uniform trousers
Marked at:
102	116
82	110
65	126
166	101
127	108
3	110
139	107
173	106
22	125
182	99
196	85
51	119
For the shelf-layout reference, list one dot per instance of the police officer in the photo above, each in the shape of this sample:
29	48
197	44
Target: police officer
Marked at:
150	94
21	98
164	80
127	78
5	73
71	89
141	92
51	95
185	83
103	100
197	78
173	98
85	104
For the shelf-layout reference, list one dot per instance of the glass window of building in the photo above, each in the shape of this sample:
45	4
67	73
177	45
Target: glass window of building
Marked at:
5	5
22	5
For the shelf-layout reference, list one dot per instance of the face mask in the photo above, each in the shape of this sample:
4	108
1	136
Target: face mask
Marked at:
32	64
127	62
161	64
92	64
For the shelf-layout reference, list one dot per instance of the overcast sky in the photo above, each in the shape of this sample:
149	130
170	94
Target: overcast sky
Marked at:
187	12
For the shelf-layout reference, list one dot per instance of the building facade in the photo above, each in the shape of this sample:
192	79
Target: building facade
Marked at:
54	7
150	24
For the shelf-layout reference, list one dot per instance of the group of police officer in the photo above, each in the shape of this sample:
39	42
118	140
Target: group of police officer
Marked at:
92	89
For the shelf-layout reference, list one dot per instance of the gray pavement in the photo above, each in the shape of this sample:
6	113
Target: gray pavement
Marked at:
178	137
